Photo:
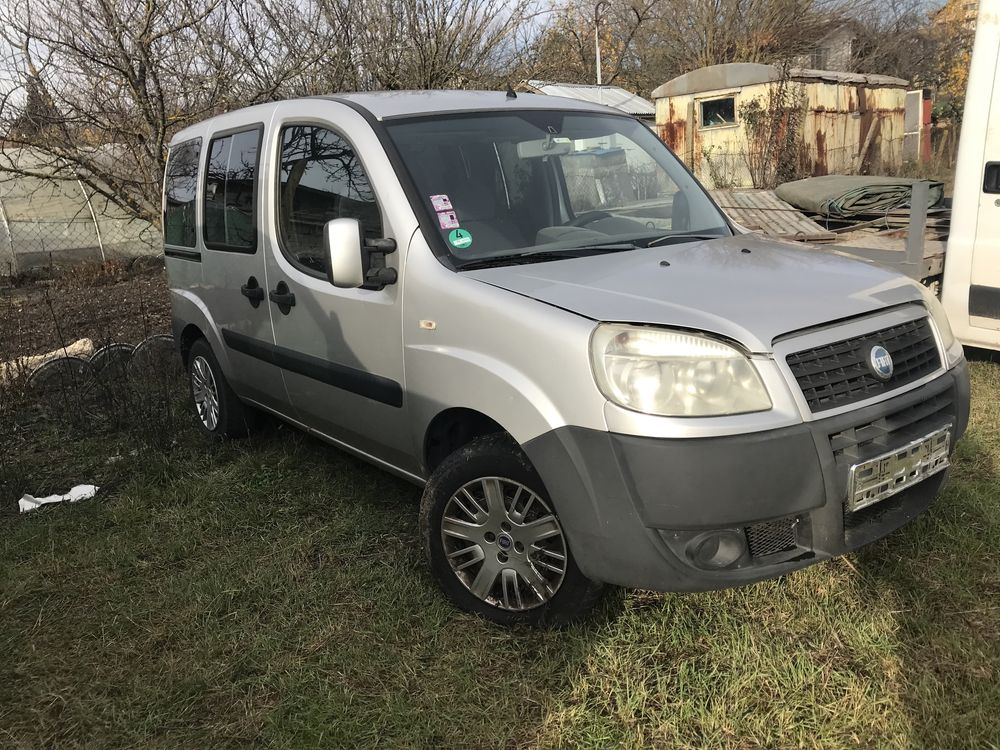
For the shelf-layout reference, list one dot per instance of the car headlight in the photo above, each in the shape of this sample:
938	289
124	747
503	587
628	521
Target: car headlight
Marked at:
673	373
951	346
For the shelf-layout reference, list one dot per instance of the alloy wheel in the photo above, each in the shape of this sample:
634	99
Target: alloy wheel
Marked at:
504	543
205	392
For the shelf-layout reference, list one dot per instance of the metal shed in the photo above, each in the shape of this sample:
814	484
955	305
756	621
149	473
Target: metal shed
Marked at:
854	122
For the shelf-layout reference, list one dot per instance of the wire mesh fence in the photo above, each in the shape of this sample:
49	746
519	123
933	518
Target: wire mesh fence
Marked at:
37	242
47	221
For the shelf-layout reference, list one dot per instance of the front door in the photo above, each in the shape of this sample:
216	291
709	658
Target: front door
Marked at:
340	349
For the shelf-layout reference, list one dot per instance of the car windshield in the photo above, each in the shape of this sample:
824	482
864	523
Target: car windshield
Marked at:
533	184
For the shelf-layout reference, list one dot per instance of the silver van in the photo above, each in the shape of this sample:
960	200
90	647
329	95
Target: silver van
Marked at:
528	307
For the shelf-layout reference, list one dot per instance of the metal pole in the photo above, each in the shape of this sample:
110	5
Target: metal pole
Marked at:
10	239
93	215
915	232
597	36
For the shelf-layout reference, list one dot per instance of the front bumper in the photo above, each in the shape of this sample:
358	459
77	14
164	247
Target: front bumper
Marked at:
635	508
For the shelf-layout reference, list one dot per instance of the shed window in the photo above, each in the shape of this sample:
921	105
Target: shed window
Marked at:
716	112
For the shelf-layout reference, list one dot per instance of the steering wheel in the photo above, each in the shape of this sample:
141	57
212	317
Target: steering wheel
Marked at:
588	217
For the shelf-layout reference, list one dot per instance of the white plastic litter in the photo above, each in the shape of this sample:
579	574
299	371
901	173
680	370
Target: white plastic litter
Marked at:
80	492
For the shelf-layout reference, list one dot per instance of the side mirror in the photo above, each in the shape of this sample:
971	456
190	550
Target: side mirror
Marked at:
344	253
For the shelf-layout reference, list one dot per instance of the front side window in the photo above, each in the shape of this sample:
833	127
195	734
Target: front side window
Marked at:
321	178
534	182
230	192
180	189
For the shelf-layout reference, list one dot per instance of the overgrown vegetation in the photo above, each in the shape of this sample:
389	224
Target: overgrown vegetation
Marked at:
272	593
769	149
772	124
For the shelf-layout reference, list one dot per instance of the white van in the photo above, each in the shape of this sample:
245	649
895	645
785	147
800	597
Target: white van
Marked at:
528	307
971	288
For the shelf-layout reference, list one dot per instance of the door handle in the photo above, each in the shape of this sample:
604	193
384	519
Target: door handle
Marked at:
284	299
991	177
253	292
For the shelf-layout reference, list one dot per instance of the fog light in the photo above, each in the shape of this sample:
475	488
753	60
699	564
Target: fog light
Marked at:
716	549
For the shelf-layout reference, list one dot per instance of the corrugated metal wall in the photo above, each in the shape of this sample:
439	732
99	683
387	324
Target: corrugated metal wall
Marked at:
836	128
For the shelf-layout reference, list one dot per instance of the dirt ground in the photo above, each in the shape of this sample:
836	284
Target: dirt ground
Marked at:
103	303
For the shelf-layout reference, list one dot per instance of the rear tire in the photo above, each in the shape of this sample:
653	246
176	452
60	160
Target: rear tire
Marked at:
494	541
218	410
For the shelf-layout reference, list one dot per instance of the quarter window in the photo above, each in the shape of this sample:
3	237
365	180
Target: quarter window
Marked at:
180	191
321	178
230	192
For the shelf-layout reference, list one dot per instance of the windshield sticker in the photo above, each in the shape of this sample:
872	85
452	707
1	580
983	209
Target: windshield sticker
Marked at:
441	203
460	238
447	219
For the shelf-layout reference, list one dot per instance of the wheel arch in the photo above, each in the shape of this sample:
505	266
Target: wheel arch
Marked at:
185	340
192	320
452	428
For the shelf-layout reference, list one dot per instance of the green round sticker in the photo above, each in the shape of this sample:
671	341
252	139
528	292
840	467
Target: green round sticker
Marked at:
460	238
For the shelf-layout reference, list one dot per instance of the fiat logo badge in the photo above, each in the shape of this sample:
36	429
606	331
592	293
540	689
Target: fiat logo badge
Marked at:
880	362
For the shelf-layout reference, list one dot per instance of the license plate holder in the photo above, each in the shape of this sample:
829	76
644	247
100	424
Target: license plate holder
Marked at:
883	476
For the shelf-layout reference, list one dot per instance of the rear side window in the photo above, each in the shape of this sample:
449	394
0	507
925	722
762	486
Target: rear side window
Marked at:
180	190
321	178
231	191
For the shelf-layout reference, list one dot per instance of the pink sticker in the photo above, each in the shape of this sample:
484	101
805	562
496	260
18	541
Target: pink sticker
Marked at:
441	203
447	219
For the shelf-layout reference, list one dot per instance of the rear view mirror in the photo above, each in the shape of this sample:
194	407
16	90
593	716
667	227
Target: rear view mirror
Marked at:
345	261
544	147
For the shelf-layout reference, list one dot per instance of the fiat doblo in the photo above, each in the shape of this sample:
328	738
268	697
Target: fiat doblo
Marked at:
530	308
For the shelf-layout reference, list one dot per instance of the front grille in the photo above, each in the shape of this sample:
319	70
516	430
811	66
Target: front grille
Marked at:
860	443
771	537
838	374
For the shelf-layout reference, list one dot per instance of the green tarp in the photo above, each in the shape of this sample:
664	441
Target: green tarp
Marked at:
842	196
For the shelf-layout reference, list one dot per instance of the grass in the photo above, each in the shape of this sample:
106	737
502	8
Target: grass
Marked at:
272	593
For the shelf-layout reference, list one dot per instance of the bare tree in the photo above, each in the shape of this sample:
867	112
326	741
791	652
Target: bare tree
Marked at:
646	42
566	50
96	88
104	83
427	44
896	37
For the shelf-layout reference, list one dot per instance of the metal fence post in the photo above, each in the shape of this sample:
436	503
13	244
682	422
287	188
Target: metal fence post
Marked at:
93	215
10	239
915	232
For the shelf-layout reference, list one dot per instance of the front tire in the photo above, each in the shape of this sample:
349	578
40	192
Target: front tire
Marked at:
218	410
494	541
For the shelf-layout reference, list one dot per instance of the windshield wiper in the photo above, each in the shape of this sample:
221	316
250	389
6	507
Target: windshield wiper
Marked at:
600	247
540	256
682	238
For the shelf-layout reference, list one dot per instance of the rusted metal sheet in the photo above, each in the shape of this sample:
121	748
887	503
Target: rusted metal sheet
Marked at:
762	210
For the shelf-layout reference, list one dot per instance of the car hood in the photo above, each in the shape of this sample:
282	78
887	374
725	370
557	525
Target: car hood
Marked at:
748	288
